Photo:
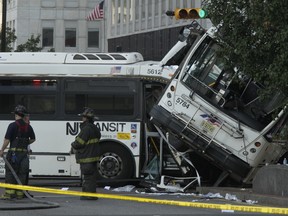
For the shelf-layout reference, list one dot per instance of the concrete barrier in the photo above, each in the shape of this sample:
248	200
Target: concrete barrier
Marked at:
272	180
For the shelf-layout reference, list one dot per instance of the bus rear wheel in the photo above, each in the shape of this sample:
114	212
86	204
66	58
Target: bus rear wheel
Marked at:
115	163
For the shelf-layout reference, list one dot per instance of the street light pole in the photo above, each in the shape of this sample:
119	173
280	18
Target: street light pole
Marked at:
3	29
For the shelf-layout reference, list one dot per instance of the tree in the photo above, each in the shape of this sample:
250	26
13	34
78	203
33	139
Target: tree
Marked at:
31	45
10	39
256	37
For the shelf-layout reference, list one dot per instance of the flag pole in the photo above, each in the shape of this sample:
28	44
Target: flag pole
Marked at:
104	26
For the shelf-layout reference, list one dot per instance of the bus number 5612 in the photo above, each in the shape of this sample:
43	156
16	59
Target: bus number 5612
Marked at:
154	71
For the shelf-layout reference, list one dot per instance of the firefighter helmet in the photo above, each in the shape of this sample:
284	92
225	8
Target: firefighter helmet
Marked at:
88	113
20	110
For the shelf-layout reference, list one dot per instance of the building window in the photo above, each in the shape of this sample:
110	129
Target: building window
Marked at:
93	38
150	15
47	37
163	6
71	3
70	37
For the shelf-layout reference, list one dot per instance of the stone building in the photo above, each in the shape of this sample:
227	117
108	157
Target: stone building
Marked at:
128	25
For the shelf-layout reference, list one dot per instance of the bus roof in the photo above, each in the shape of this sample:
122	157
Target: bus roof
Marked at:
51	64
70	58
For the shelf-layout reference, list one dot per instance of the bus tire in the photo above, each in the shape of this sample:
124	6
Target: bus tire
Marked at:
115	163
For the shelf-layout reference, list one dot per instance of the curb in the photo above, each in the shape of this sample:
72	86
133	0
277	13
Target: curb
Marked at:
247	194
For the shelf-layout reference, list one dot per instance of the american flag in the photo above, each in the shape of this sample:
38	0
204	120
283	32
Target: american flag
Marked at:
211	119
97	12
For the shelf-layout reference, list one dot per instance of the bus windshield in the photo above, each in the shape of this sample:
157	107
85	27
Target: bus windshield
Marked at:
235	93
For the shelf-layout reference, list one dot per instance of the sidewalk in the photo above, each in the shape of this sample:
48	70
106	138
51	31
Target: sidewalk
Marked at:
269	187
247	194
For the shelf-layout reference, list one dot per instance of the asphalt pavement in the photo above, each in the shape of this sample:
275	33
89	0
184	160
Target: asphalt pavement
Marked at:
245	194
144	201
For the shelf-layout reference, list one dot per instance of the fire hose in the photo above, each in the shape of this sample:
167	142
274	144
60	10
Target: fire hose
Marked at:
45	204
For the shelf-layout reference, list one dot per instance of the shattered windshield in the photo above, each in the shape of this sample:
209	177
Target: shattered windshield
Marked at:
237	94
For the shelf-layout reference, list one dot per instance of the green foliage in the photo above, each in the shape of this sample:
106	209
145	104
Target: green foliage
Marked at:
31	45
10	39
256	37
51	50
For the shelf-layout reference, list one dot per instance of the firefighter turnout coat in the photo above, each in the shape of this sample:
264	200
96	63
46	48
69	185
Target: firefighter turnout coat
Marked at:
86	145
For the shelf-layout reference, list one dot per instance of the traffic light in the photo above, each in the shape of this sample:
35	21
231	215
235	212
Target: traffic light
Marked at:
188	13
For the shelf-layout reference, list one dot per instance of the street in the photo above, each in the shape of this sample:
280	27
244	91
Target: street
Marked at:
141	203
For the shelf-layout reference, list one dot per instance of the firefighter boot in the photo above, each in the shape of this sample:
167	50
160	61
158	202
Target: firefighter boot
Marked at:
19	194
88	198
8	195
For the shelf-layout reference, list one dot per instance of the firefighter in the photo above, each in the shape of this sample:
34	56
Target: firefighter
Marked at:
87	150
19	135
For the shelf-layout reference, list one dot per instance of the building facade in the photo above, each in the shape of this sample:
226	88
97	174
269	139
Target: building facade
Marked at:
128	25
1	12
62	24
143	25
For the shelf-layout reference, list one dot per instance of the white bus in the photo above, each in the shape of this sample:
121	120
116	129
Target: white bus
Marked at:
219	115
55	87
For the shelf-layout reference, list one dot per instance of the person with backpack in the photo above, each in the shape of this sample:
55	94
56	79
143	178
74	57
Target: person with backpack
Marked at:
19	135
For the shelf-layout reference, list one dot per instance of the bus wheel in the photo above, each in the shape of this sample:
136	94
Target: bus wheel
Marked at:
115	162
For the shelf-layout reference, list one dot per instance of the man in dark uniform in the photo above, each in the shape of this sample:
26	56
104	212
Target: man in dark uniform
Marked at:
87	151
19	135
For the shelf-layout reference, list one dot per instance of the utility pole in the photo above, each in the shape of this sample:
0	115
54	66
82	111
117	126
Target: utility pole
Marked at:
3	29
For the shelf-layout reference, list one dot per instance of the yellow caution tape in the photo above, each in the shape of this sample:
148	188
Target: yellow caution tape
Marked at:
259	209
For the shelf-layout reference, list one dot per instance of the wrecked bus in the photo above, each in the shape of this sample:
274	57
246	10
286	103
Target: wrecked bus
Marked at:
217	115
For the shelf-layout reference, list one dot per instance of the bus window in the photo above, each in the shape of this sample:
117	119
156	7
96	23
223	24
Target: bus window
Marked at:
203	68
28	84
152	94
102	104
238	95
39	96
106	97
36	104
198	61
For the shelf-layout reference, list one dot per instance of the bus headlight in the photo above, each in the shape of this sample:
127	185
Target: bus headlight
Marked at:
252	150
172	88
245	153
